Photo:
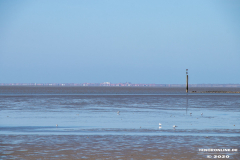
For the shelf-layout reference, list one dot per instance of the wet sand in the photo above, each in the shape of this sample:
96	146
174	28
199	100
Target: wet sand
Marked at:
89	126
113	147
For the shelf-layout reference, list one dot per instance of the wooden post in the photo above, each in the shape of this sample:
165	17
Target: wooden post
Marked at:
187	80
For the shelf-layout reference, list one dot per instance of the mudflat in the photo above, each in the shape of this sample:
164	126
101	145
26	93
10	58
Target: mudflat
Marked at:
118	123
113	146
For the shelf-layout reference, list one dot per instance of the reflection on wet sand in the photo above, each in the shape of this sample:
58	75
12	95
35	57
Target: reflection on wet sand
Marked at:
112	147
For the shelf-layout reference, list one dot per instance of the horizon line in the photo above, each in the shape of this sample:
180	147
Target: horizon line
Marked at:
123	84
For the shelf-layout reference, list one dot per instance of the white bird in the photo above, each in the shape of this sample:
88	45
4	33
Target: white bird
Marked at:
201	114
160	124
56	125
174	126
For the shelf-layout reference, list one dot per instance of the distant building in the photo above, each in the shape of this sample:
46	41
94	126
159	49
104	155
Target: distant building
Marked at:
105	84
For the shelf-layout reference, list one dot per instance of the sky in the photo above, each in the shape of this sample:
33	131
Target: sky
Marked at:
135	41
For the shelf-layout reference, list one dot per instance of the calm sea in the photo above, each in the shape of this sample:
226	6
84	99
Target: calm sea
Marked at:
117	110
117	123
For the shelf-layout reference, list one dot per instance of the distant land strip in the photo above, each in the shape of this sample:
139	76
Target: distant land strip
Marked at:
216	92
123	84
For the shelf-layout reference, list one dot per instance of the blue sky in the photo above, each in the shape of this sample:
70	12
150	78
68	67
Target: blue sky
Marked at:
134	41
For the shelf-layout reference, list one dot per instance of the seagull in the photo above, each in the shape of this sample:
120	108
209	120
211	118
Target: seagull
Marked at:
160	124
56	125
174	126
201	114
118	112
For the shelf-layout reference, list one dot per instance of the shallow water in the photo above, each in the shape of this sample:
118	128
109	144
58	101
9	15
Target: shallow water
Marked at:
35	111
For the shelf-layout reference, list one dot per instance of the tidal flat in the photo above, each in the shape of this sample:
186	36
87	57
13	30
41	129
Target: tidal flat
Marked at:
117	123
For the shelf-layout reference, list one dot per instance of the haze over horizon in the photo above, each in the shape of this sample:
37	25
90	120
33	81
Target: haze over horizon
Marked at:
120	41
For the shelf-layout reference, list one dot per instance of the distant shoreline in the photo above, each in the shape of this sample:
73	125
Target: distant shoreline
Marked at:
108	84
215	92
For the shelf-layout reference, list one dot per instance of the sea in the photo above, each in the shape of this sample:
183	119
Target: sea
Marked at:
99	117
